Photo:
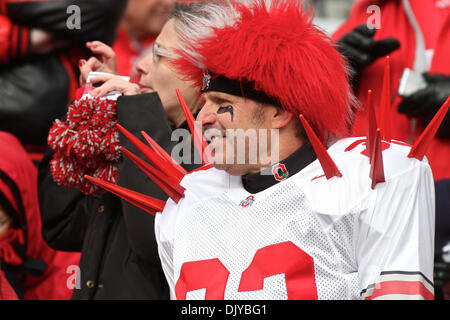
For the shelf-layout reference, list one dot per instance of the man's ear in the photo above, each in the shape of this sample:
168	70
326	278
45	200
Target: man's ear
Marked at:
281	118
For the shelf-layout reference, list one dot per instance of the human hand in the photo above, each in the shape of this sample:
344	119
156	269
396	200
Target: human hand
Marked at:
424	104
361	50
113	83
105	60
43	42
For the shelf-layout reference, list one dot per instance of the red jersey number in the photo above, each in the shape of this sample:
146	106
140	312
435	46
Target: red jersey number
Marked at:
284	257
210	274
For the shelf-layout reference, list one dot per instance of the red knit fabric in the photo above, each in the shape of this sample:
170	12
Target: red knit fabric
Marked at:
87	143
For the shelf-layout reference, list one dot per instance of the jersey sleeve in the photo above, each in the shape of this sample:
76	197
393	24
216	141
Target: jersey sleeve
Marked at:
395	242
200	184
165	230
164	233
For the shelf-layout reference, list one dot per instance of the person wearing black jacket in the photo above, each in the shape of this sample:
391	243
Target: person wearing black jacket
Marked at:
38	59
119	257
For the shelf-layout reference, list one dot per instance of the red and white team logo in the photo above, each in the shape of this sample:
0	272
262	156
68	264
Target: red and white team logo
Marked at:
280	172
247	201
206	81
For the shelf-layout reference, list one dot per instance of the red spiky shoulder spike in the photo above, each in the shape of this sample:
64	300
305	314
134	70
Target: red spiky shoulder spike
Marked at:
371	125
163	153
385	103
197	135
329	167
154	158
376	160
167	184
420	147
146	203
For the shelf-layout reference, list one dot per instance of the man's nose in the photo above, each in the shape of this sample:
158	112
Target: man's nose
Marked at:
207	116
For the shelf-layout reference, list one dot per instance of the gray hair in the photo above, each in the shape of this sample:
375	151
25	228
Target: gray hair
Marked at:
197	20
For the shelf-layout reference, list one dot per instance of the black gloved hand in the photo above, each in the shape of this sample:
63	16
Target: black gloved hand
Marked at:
424	103
361	50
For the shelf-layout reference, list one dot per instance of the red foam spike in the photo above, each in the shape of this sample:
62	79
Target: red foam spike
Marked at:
420	147
155	159
385	103
376	162
149	204
163	153
371	125
329	167
169	185
199	139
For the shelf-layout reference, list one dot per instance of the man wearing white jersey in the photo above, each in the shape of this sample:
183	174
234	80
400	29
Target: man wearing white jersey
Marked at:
355	222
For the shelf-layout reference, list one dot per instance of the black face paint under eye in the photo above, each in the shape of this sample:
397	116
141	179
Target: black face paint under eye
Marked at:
229	109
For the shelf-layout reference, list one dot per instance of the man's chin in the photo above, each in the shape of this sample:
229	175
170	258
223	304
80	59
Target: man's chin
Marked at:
146	90
232	169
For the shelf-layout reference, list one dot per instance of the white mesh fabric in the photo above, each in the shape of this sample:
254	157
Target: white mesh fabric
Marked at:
341	223
218	228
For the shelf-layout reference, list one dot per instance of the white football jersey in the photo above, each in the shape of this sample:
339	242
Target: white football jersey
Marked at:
305	237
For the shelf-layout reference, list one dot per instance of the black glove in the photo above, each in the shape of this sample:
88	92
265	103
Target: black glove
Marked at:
424	103
361	50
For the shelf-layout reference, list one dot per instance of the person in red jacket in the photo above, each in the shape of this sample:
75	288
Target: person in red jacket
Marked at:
416	35
422	30
27	264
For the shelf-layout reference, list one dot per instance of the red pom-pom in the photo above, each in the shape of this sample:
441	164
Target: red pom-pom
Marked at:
87	143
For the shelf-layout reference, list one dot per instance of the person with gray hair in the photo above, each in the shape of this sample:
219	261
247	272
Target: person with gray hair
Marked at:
119	258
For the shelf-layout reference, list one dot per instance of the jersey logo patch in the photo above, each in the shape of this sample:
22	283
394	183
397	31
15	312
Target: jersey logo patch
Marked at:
205	81
247	202
280	172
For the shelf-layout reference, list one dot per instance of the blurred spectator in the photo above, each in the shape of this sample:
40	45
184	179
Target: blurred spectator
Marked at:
27	264
39	53
416	35
330	14
141	24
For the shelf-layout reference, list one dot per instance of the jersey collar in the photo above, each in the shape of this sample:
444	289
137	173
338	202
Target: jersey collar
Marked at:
280	171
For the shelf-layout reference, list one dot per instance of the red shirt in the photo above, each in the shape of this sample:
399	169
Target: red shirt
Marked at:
430	18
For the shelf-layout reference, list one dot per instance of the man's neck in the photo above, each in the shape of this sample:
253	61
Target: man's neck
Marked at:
285	168
284	151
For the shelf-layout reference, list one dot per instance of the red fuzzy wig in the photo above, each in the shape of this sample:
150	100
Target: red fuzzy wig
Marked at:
287	57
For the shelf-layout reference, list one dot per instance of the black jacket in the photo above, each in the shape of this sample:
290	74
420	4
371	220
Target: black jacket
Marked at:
35	88
119	251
